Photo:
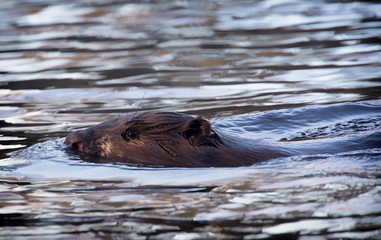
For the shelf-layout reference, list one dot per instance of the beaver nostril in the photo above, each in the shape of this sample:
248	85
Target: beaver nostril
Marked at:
77	146
76	141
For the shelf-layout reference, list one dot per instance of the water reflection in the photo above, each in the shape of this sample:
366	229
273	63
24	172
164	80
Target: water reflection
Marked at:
288	70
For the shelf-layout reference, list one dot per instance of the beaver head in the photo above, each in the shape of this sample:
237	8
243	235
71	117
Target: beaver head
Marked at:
164	139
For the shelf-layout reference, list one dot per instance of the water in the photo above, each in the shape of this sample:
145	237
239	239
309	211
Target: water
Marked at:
300	72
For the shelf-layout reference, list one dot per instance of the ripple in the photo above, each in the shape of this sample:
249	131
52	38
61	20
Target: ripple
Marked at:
303	71
55	14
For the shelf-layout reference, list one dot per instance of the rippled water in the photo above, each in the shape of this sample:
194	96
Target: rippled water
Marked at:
298	72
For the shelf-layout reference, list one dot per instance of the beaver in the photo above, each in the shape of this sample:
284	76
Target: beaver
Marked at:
170	139
165	139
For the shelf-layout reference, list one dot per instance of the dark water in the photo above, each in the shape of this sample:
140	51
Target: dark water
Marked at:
300	72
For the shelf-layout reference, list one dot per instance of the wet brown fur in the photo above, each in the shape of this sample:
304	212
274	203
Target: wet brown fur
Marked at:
164	139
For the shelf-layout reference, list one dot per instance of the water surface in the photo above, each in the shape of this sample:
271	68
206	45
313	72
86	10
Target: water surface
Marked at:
300	72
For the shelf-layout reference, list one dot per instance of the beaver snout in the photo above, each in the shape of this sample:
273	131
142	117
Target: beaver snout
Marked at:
75	141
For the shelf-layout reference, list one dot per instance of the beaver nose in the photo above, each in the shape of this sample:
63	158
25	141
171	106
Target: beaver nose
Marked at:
75	141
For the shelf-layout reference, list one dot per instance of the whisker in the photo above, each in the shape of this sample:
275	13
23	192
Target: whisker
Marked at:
141	100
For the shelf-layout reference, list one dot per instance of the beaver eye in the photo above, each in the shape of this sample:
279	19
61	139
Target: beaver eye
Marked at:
130	134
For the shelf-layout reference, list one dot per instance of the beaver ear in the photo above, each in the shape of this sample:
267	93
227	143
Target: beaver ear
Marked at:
197	131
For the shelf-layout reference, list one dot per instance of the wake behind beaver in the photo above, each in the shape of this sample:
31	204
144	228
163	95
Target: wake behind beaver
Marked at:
169	139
